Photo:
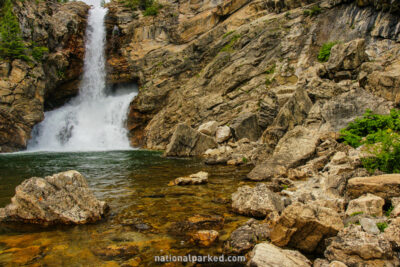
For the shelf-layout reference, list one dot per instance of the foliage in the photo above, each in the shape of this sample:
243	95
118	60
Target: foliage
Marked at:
314	11
11	44
149	7
229	46
227	34
380	134
271	69
38	52
356	213
325	51
382	226
244	160
389	211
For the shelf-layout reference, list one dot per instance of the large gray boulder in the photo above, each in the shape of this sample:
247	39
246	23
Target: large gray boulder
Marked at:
186	142
268	255
256	201
62	198
246	126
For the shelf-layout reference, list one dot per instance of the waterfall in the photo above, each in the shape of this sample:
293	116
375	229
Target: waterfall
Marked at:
93	120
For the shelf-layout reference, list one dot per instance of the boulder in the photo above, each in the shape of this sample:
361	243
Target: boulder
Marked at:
246	237
223	133
354	247
368	204
346	57
63	198
205	238
246	126
187	142
369	226
294	149
193	179
304	226
268	255
209	128
392	233
256	201
385	186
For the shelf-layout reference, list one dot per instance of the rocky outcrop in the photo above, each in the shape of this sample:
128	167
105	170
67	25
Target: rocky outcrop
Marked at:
305	227
63	198
385	186
189	142
264	255
26	89
354	247
257	202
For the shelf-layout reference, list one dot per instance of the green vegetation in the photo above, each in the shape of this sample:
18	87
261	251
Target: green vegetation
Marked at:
149	7
244	160
229	46
271	69
325	51
382	226
381	136
285	187
227	34
11	44
314	11
356	213
389	211
38	52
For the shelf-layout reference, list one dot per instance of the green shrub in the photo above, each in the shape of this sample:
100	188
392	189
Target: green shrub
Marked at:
325	51
389	211
227	34
271	69
380	135
11	44
356	213
149	7
229	46
382	226
38	52
314	11
152	10
244	160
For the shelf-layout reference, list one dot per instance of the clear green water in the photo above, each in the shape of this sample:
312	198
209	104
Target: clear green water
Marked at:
134	184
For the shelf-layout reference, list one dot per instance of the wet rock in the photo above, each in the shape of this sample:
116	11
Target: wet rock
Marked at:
256	201
209	128
305	226
368	204
385	186
223	134
197	222
246	126
247	236
264	255
187	142
193	179
124	252
136	224
63	198
355	247
205	238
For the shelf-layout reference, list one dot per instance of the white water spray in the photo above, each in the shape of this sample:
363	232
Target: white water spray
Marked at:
93	120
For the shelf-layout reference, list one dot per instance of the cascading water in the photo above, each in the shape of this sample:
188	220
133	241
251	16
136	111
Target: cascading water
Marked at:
93	120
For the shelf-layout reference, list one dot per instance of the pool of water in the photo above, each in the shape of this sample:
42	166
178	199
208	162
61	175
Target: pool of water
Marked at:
143	212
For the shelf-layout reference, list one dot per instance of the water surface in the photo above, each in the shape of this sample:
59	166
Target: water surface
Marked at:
134	184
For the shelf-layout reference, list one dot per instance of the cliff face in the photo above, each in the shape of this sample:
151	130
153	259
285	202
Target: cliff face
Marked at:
27	88
217	60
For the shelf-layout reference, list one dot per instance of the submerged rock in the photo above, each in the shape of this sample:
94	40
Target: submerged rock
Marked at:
205	238
63	198
265	255
197	178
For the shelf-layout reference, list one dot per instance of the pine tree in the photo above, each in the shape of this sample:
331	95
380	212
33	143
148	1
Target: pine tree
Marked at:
11	44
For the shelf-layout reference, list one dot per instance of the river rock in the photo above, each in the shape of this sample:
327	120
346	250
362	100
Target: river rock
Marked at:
246	237
268	255
368	204
304	226
193	179
209	128
205	238
197	222
187	142
63	198
355	247
385	186
223	133
256	201
246	126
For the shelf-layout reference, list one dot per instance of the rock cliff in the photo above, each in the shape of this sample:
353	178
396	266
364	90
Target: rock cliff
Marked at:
27	88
